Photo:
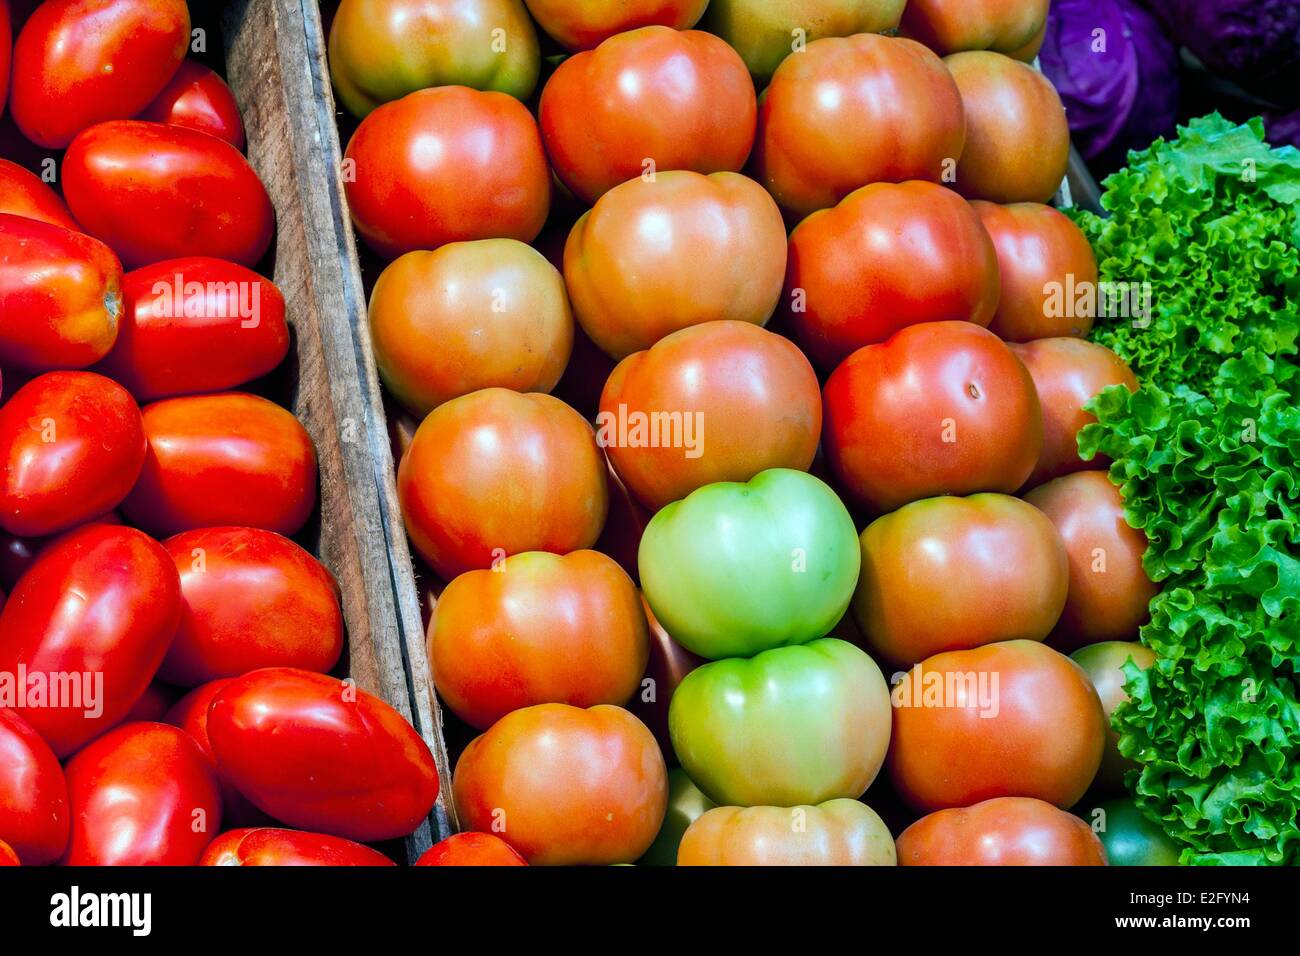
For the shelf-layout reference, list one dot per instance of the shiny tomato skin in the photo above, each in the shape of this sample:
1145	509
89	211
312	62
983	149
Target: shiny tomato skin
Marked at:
653	99
940	408
197	98
17	553
1067	374
978	570
841	832
1109	589
1017	139
33	794
538	629
223	459
471	849
542	487
1040	733
153	191
252	599
570	786
195	325
7	855
1104	662
319	754
190	714
448	164
1042	257
469	315
272	846
585	24
719	253
129	608
80	62
65	313
888	256
141	795
951	26
73	445
849	111
753	393
22	193
1004	831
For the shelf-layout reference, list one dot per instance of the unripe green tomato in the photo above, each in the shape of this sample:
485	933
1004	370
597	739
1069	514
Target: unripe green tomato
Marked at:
686	804
794	725
1130	838
734	569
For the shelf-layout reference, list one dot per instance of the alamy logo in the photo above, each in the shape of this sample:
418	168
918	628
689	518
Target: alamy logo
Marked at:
70	690
964	690
622	428
131	910
212	300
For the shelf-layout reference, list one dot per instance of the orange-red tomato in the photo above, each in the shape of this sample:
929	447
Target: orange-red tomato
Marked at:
60	296
849	111
656	256
1045	262
33	794
583	24
90	659
743	400
1013	27
839	832
469	315
1017	139
471	849
72	444
154	192
7	856
224	459
22	193
197	98
1068	373
888	256
319	754
79	62
646	101
1109	589
565	785
1014	719
190	714
1104	664
142	795
251	599
447	164
196	325
271	846
942	408
973	571
539	629
1005	831
496	473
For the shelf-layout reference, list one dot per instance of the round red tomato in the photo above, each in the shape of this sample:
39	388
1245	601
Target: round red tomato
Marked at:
319	754
471	849
73	445
496	473
1109	589
225	459
22	193
60	296
79	62
565	785
1017	139
942	408
271	846
649	100
155	192
251	599
658	255
190	714
1013	27
1015	719
104	647
888	256
197	98
583	24
849	111
196	325
1005	831
141	795
537	629
447	164
33	793
1068	373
